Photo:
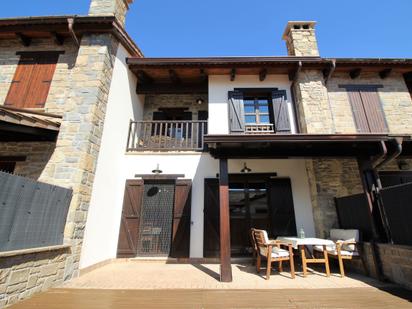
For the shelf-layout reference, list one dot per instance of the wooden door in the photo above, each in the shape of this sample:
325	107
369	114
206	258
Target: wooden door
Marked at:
129	225
181	219
282	213
211	230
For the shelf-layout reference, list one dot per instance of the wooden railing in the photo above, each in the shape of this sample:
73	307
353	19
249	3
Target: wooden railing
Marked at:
154	135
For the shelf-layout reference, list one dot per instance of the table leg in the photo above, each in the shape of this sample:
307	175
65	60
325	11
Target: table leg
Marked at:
325	256
303	256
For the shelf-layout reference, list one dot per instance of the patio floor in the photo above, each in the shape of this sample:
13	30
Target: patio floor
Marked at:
131	284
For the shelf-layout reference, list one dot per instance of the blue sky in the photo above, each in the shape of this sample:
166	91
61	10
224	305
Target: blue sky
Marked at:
346	28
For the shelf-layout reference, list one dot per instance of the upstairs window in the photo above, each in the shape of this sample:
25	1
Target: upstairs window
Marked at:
258	112
31	82
366	108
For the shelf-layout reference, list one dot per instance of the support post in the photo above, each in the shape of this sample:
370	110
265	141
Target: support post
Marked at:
225	266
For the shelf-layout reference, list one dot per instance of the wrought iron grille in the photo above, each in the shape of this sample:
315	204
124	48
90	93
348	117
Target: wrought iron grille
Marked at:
155	230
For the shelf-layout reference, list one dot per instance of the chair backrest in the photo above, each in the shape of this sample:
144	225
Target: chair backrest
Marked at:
261	237
252	239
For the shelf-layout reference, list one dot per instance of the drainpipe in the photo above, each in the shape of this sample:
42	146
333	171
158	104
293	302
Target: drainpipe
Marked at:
293	93
331	71
70	22
393	156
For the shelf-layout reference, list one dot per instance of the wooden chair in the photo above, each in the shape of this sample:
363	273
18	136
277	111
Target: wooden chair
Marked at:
345	247
272	251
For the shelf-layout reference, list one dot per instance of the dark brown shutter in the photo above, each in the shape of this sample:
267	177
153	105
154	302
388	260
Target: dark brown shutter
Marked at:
280	112
129	225
367	109
32	80
211	229
373	110
181	219
236	112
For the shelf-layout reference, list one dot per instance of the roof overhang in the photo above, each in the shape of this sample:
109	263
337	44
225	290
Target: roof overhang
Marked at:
155	73
304	145
68	27
17	125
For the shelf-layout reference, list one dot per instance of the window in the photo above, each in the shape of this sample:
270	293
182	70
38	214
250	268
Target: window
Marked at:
31	82
256	110
7	166
366	108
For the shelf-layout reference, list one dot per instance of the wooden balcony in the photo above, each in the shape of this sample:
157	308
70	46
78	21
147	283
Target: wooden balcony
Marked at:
154	135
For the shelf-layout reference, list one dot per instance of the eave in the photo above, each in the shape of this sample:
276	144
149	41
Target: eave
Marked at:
68	27
303	145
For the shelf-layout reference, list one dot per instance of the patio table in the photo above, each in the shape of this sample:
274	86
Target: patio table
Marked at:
302	243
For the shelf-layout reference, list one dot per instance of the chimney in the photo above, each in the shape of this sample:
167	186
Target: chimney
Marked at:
117	8
300	38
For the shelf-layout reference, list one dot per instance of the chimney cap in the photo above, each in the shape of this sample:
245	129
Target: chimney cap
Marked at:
303	25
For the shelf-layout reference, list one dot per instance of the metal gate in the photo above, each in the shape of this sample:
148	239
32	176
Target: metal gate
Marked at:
155	230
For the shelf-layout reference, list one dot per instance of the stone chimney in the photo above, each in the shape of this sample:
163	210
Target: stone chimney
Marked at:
117	8
300	38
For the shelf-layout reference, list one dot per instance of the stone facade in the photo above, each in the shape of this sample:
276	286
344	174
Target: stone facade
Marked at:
117	8
22	275
300	38
37	156
187	101
394	95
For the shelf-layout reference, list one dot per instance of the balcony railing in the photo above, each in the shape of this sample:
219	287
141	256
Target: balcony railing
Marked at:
186	135
264	128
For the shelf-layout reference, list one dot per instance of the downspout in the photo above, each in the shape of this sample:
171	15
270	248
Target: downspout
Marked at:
393	156
293	93
70	22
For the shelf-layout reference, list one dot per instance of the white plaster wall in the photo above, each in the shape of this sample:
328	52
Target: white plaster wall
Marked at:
220	85
114	166
123	105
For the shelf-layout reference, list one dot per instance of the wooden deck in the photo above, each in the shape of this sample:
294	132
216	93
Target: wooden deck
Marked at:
280	298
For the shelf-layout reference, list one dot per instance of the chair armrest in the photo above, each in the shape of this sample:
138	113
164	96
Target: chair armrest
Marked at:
346	242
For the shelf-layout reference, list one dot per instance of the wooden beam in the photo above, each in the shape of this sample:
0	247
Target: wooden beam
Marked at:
143	77
355	73
169	88
225	266
24	39
262	74
385	73
203	75
174	77
58	38
232	74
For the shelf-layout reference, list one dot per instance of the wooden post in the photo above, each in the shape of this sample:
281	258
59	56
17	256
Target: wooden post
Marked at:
225	266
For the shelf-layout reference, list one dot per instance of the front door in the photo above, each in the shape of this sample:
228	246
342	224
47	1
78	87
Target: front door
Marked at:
255	201
155	218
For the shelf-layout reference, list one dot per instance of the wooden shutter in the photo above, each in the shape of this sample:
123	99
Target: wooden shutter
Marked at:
373	110
367	109
211	227
280	112
129	224
32	80
21	82
181	219
236	112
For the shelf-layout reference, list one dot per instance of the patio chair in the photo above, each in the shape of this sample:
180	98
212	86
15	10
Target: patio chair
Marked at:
345	248
272	251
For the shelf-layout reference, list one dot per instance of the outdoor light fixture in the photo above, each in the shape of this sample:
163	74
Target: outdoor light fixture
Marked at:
199	101
245	169
157	170
403	165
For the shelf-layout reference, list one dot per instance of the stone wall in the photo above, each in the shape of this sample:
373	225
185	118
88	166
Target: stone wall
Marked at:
62	78
22	275
311	99
154	102
395	98
300	39
330	178
37	156
117	8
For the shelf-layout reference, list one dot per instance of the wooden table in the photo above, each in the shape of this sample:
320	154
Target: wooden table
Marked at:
302	243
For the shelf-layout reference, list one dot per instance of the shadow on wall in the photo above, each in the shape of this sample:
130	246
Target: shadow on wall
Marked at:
37	155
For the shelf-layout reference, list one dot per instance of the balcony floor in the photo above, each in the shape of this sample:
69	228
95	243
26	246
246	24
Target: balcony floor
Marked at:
137	284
